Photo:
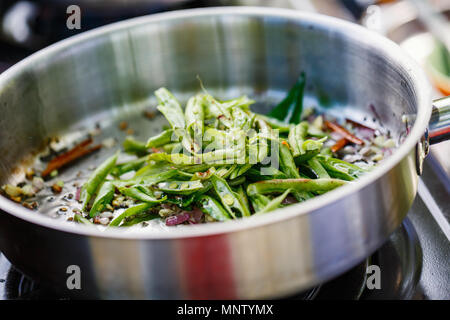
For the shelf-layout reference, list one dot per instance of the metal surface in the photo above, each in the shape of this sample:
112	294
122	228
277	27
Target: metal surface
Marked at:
399	260
112	71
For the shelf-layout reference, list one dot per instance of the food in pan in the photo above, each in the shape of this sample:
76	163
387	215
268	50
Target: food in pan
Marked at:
216	161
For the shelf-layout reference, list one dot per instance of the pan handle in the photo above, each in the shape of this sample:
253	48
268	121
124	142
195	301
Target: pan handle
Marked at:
438	130
439	126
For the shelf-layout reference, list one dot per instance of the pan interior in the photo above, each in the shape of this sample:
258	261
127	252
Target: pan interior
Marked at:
109	76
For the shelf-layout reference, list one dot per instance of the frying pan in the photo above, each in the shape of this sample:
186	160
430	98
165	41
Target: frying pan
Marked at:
109	74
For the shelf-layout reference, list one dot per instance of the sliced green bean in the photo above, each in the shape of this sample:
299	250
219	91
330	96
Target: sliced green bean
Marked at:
274	203
259	201
133	146
104	197
131	212
181	187
228	198
80	219
281	185
141	193
296	138
140	218
319	170
165	137
340	169
133	165
171	109
213	208
96	179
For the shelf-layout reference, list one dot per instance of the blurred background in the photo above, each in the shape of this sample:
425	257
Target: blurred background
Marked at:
421	27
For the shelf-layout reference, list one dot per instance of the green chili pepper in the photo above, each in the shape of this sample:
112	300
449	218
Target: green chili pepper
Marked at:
96	179
131	212
213	208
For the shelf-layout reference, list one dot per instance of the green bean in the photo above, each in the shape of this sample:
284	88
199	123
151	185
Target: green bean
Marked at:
131	212
274	203
340	169
296	138
228	198
139	218
270	173
204	175
165	137
243	197
184	201
236	181
80	219
213	208
170	147
240	170
132	165
242	102
133	146
147	180
259	201
180	187
281	126
281	185
309	149
319	170
192	140
215	109
104	197
241	119
141	193
175	158
287	165
171	109
96	179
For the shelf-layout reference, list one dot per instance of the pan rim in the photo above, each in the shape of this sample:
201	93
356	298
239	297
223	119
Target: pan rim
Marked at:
418	80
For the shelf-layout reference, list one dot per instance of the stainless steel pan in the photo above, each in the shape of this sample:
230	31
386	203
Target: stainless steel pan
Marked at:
111	72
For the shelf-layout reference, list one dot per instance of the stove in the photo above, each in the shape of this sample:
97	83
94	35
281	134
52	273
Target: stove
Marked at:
414	262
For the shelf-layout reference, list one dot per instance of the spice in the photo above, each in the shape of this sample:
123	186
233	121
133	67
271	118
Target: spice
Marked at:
56	188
